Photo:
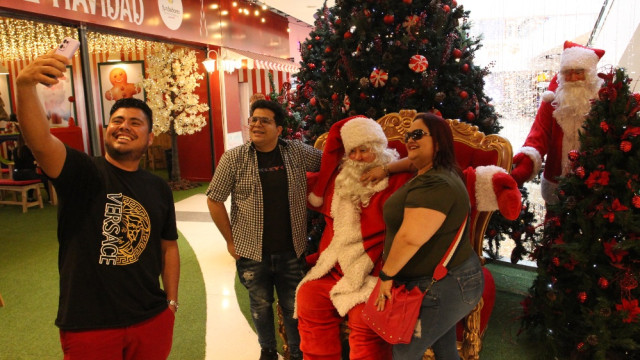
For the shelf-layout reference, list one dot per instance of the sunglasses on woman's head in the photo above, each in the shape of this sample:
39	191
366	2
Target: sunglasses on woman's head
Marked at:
415	135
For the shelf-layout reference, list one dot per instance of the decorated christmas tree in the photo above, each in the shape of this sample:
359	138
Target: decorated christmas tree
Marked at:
374	57
584	300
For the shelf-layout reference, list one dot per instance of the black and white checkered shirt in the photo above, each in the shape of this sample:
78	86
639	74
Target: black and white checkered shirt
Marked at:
237	175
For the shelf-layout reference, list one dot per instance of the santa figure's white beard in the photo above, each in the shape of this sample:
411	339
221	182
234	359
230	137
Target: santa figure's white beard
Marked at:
572	99
348	184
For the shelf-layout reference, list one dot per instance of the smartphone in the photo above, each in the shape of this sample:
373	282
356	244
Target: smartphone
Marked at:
67	48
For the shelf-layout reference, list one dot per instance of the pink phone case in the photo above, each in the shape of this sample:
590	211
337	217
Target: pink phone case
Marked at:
68	47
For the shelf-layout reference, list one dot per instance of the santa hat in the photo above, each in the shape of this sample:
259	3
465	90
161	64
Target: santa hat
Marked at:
576	56
342	138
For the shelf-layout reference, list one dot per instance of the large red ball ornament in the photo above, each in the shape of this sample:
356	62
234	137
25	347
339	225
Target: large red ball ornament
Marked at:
312	66
625	146
338	22
347	35
327	50
603	283
574	155
446	8
454	3
580	172
317	37
319	118
463	94
388	19
334	97
457	53
471	116
636	201
465	67
313	101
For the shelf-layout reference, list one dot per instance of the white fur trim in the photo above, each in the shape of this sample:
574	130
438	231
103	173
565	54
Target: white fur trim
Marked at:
548	96
548	191
486	199
578	58
315	200
360	131
345	249
535	157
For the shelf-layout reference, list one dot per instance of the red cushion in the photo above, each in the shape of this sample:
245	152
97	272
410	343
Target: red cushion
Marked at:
9	182
489	297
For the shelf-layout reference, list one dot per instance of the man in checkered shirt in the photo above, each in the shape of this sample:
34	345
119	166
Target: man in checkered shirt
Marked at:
266	178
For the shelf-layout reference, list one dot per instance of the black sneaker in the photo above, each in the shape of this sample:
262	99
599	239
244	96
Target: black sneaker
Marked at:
268	354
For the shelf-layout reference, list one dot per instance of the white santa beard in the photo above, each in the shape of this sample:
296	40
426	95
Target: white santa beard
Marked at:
573	103
348	184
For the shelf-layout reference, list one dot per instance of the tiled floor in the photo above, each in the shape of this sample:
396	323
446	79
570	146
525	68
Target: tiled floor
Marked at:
229	336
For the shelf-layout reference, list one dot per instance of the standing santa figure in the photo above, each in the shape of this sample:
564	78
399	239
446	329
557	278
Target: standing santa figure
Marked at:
561	115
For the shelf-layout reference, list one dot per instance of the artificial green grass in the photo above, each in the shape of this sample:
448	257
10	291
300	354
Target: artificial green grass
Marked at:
29	285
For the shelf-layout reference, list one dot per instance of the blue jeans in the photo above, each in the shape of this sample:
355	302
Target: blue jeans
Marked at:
284	271
446	303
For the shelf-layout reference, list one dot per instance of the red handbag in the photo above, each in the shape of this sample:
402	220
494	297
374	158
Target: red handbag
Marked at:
397	321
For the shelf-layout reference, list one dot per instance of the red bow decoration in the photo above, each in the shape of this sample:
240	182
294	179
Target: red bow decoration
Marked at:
615	206
614	254
597	177
631	308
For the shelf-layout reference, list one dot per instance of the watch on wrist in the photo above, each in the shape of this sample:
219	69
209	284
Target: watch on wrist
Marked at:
174	303
384	277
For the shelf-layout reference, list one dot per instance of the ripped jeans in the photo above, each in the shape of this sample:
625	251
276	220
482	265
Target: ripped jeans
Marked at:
284	272
446	303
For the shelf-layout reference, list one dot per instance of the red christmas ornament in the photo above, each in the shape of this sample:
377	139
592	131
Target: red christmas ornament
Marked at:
604	126
582	296
317	37
625	146
313	101
334	97
574	155
446	8
327	50
636	201
338	22
418	63
603	283
580	171
363	96
388	19
319	118
347	35
580	346
367	12
408	2
463	94
454	3
71	99
465	67
435	111
555	261
471	116
457	53
312	66
309	47
378	78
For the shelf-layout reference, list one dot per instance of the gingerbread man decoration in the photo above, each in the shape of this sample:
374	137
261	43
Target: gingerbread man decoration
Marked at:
121	88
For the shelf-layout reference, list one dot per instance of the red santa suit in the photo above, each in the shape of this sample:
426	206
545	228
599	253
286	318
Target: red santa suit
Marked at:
552	135
349	255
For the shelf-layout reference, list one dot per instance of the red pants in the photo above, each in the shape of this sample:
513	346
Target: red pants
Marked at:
148	340
319	326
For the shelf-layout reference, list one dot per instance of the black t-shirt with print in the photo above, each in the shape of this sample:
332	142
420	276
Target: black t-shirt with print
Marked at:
276	234
110	226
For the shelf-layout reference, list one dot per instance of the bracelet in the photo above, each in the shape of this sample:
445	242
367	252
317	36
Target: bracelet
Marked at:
384	277
385	168
174	303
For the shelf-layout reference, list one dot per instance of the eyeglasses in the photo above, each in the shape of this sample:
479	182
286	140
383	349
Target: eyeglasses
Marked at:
415	135
263	120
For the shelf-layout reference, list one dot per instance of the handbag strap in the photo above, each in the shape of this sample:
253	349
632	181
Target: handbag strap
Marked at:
441	269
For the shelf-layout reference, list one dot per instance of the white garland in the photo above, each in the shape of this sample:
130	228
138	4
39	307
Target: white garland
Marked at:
174	73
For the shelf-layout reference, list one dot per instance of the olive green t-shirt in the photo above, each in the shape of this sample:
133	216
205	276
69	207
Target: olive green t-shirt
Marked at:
439	190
